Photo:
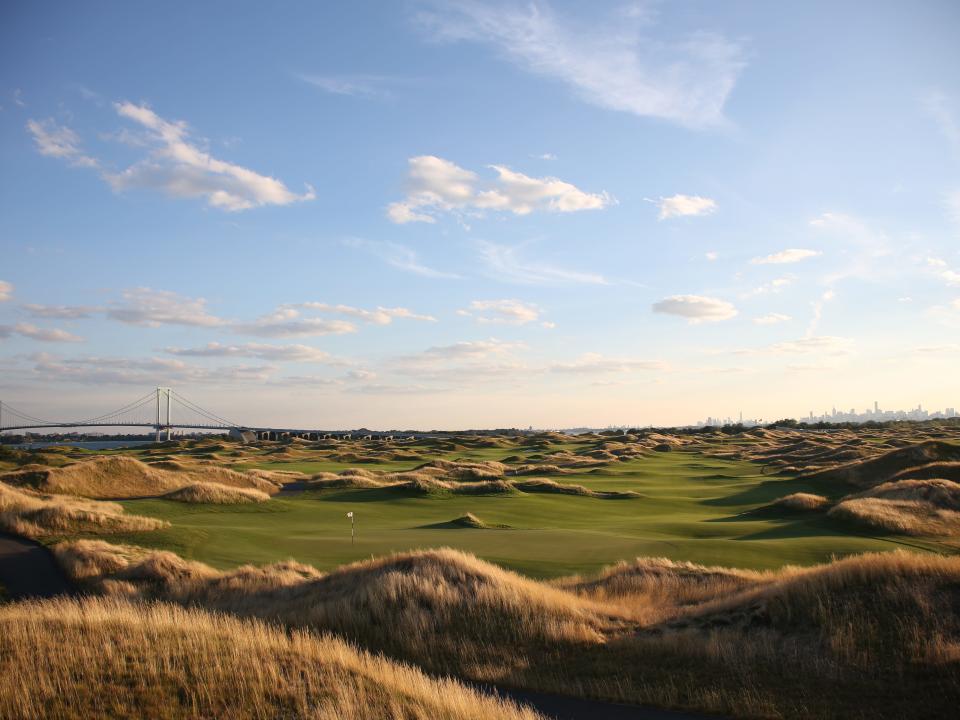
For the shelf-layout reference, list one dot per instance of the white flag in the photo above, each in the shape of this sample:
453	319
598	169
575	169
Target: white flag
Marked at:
350	514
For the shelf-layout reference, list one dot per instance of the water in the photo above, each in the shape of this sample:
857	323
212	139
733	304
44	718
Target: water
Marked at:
89	445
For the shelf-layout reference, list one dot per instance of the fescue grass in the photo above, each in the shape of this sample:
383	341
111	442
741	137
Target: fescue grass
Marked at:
92	658
41	516
217	494
873	636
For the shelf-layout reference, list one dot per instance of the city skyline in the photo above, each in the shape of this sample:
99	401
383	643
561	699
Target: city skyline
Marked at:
497	214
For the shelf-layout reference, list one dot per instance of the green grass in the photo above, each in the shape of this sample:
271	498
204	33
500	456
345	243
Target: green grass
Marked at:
691	510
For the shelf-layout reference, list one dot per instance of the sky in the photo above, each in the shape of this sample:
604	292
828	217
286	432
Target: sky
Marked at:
473	214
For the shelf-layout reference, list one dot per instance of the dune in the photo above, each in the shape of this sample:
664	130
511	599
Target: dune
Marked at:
73	659
909	517
799	502
32	514
539	485
116	476
465	522
794	643
216	494
867	473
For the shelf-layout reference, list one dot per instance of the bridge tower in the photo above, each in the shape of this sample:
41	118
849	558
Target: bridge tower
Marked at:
163	403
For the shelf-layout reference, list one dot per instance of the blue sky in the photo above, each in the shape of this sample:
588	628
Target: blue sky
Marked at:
476	214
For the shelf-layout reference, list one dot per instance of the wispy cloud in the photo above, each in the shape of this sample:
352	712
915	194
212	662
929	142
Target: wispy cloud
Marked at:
378	316
398	256
684	206
152	308
504	262
176	165
435	186
938	106
6	290
60	312
59	141
696	308
352	85
37	333
790	255
617	63
504	312
263	351
771	319
287	322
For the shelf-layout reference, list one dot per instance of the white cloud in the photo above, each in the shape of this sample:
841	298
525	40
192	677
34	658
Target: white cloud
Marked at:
61	312
263	351
152	308
826	297
808	345
6	290
365	86
398	256
819	344
380	316
684	205
504	263
790	255
595	363
58	141
508	312
696	308
711	256
141	371
288	322
45	334
937	106
774	286
175	165
771	319
952	202
616	64
435	185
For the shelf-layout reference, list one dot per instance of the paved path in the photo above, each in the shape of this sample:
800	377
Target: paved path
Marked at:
27	569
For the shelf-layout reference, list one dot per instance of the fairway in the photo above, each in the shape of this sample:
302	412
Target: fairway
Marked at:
692	508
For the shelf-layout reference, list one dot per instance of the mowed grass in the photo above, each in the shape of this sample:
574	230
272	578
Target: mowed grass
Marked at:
691	510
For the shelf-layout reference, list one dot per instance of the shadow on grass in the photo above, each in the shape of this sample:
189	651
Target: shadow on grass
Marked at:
770	490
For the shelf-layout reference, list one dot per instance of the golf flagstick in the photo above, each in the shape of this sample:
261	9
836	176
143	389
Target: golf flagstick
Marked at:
350	515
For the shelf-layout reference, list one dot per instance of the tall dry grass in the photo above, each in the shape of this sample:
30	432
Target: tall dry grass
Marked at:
873	636
38	516
96	658
217	494
116	476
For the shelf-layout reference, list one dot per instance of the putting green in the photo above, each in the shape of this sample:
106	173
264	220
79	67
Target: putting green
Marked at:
692	509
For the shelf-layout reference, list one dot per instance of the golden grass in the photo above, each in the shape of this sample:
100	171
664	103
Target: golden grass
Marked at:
98	658
872	636
909	517
37	516
801	502
117	476
217	494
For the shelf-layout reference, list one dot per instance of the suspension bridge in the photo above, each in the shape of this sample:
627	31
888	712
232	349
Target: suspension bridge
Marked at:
166	410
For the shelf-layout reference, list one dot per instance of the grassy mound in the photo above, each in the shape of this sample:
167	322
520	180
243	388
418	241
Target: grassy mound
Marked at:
440	608
908	517
31	514
217	494
867	473
549	486
871	636
117	476
800	502
108	658
465	522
